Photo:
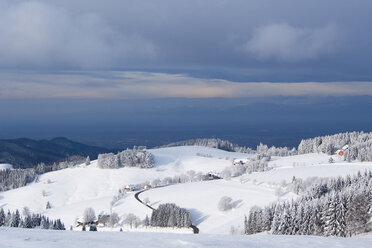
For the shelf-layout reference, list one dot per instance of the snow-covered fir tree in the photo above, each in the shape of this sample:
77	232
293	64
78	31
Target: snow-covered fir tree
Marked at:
170	215
358	145
327	207
14	219
136	157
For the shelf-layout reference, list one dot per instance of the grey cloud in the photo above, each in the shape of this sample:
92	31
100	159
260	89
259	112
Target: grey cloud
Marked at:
142	85
35	34
285	42
199	38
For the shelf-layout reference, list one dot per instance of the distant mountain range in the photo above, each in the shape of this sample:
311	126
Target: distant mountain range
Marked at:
24	152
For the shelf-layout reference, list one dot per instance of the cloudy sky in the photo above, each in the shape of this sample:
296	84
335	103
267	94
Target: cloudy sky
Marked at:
161	49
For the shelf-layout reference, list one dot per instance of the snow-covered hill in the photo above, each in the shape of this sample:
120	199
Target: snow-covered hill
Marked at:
70	191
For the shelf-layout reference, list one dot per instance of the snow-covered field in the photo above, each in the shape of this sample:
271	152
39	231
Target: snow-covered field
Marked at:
70	191
202	198
21	238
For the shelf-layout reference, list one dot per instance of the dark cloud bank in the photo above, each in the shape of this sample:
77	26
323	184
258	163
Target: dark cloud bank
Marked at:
67	66
238	40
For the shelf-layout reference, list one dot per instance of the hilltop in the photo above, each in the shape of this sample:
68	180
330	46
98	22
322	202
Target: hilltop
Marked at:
26	153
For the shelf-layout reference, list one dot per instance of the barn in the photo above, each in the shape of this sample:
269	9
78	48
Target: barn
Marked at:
341	152
240	161
147	186
129	188
80	222
213	176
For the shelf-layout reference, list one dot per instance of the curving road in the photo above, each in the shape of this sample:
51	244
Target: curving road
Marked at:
138	199
136	195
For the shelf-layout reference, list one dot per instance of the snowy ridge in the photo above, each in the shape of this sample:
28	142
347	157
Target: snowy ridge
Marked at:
6	167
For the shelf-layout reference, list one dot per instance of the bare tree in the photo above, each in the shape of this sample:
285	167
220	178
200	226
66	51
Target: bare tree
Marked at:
225	203
132	220
146	201
114	219
89	215
87	161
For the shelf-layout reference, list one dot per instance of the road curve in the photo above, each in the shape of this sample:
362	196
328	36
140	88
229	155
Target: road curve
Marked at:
136	195
138	199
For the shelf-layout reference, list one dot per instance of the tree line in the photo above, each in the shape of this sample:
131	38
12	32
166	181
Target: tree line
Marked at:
230	147
170	215
27	220
359	145
136	157
335	207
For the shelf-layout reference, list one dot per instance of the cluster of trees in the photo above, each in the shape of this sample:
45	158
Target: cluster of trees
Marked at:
136	157
360	145
213	143
336	207
27	220
109	220
170	215
275	151
317	185
230	147
132	220
258	164
12	179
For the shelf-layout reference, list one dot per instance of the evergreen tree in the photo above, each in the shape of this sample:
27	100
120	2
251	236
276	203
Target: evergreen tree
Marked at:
93	228
2	217
27	222
330	217
341	210
15	219
328	207
146	221
87	161
44	223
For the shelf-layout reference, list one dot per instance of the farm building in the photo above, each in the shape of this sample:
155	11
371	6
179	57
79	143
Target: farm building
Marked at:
213	176
129	188
147	186
341	152
240	161
80	222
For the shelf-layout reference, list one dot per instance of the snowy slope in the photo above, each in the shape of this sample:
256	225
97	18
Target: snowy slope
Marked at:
6	166
202	198
70	191
33	238
248	190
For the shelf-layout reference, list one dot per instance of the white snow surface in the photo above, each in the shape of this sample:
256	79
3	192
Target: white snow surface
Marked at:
34	238
70	191
6	166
